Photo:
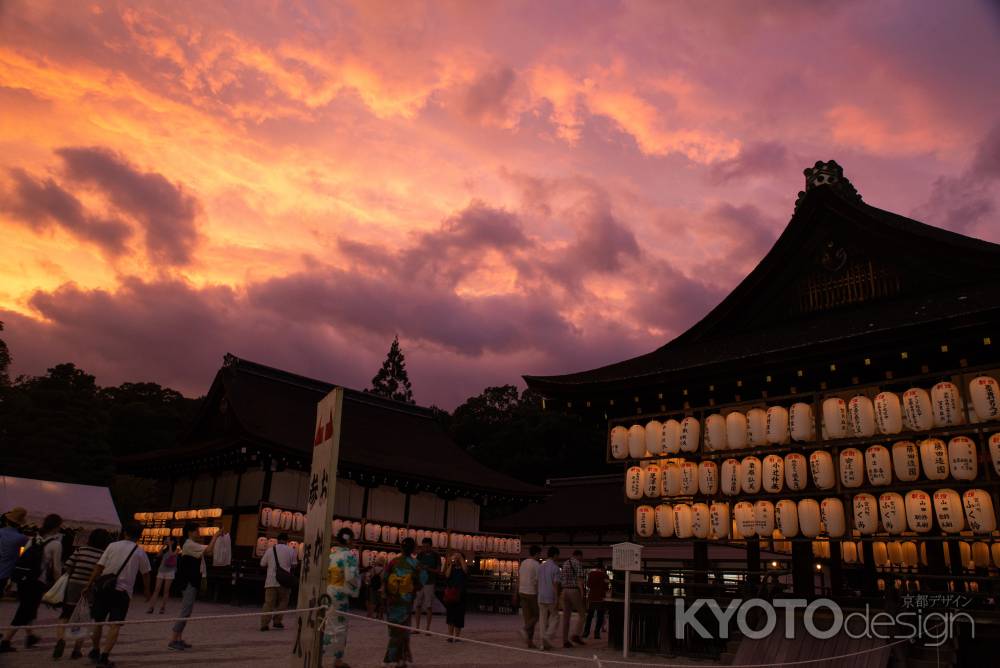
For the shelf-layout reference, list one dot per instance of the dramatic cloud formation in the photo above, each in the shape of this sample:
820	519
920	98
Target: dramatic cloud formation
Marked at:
512	187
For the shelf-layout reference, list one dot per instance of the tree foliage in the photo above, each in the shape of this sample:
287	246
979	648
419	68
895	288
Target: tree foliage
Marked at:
392	381
5	360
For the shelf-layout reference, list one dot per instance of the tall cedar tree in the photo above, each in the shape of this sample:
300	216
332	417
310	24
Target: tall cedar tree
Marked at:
4	361
392	381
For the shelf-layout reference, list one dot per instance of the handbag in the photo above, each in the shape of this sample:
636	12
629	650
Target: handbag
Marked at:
57	592
452	595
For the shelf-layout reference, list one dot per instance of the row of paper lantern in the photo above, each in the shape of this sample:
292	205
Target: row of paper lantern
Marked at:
503	566
774	473
353	525
810	518
177	532
860	417
154	517
385	533
369	557
200	514
275	518
264	544
904	554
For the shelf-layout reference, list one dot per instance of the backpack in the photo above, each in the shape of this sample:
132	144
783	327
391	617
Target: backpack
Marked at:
29	565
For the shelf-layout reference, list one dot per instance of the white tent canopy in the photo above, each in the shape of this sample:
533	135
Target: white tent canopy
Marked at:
81	506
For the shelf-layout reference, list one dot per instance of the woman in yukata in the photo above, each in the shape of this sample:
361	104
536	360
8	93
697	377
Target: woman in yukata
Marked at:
342	584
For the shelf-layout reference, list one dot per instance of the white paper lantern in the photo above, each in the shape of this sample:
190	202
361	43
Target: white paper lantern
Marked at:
275	518
730	478
651	481
746	522
906	461
671	475
948	510
682	520
719	520
849	552
298	521
861	415
663	519
796	471
821	468
995	552
934	458
715	432
918	510
777	425
633	483
835	418
985	395
832	513
947	404
654	437
690	434
800	422
821	549
394	533
671	437
865	514
644	521
895	553
981	554
786	518
910	559
881	553
619	442
893	511
750	475
700	520
979	511
878	465
918	413
708	478
356	528
851	467
994	446
810	520
962	458
888	413
689	478
736	430
773	474
756	427
636	441
763	514
265	517
386	533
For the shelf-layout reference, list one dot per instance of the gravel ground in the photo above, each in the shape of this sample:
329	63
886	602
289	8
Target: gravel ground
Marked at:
237	642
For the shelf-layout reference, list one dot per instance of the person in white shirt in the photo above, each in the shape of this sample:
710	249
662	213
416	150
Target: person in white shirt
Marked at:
190	569
36	583
527	593
275	595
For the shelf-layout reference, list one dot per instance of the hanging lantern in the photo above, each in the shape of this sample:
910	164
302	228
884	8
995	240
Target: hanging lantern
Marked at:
763	514
965	554
893	511
730	478
981	554
906	461
832	514
800	422
962	458
700	520
265	517
849	552
708	478
286	519
356	528
715	432
756	427
654	437
934	458
298	521
719	520
947	404
995	552
821	467
690	434
776	427
861	416
387	533
918	510
786	518
773	474
671	477
644	521
985	395
636	441
979	511
671	437
948	510
745	520
663	520
821	549
810	521
835	418
878	464
994	446
865	514
651	480
682	520
633	483
851	467
393	535
918	413
881	553
796	476
895	553
736	430
910	554
750	471
888	413
689	478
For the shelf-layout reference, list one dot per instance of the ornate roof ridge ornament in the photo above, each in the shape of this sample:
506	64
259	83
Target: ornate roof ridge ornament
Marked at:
831	174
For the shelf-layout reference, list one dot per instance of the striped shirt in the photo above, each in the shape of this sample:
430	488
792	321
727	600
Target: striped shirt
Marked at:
571	574
81	563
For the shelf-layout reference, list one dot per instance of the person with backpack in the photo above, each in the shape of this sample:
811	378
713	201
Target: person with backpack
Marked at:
112	583
79	567
190	569
279	562
11	542
36	569
165	574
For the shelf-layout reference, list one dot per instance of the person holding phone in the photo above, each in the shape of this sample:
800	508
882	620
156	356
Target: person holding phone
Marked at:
456	575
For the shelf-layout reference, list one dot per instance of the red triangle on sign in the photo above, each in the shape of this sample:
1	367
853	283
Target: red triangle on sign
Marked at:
329	428
319	435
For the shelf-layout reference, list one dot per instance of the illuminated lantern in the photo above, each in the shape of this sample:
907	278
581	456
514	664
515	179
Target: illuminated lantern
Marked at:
878	464
981	554
995	551
849	552
893	511
832	513
671	437
918	510
700	520
708	478
821	549
633	483
387	532
962	459
261	547
763	514
756	427
636	441
934	458
654	437
298	521
286	519
265	517
947	404
865	514
881	554
910	554
810	520
888	413
719	520
644	521
690	433
736	430
715	432
671	475
979	511
773	474
750	475
356	528
835	417
985	395
851	467
372	532
689	478
948	510
651	480
746	522
861	415
917	410
682	520
786	518
895	553
965	553
777	425
394	534
276	518
906	461
796	476
663	520
821	467
729	480
800	422
994	444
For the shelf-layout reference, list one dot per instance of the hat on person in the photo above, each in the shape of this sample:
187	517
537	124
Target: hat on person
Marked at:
16	515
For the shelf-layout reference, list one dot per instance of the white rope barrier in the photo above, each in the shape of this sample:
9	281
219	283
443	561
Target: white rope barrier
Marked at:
162	620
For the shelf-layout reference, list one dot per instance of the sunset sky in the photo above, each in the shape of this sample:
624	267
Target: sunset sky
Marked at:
536	187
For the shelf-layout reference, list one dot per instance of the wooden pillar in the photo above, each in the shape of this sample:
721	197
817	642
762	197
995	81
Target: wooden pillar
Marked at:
803	571
936	564
869	580
753	564
836	573
701	562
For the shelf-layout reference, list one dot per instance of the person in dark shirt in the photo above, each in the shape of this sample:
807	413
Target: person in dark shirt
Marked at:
430	565
597	589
